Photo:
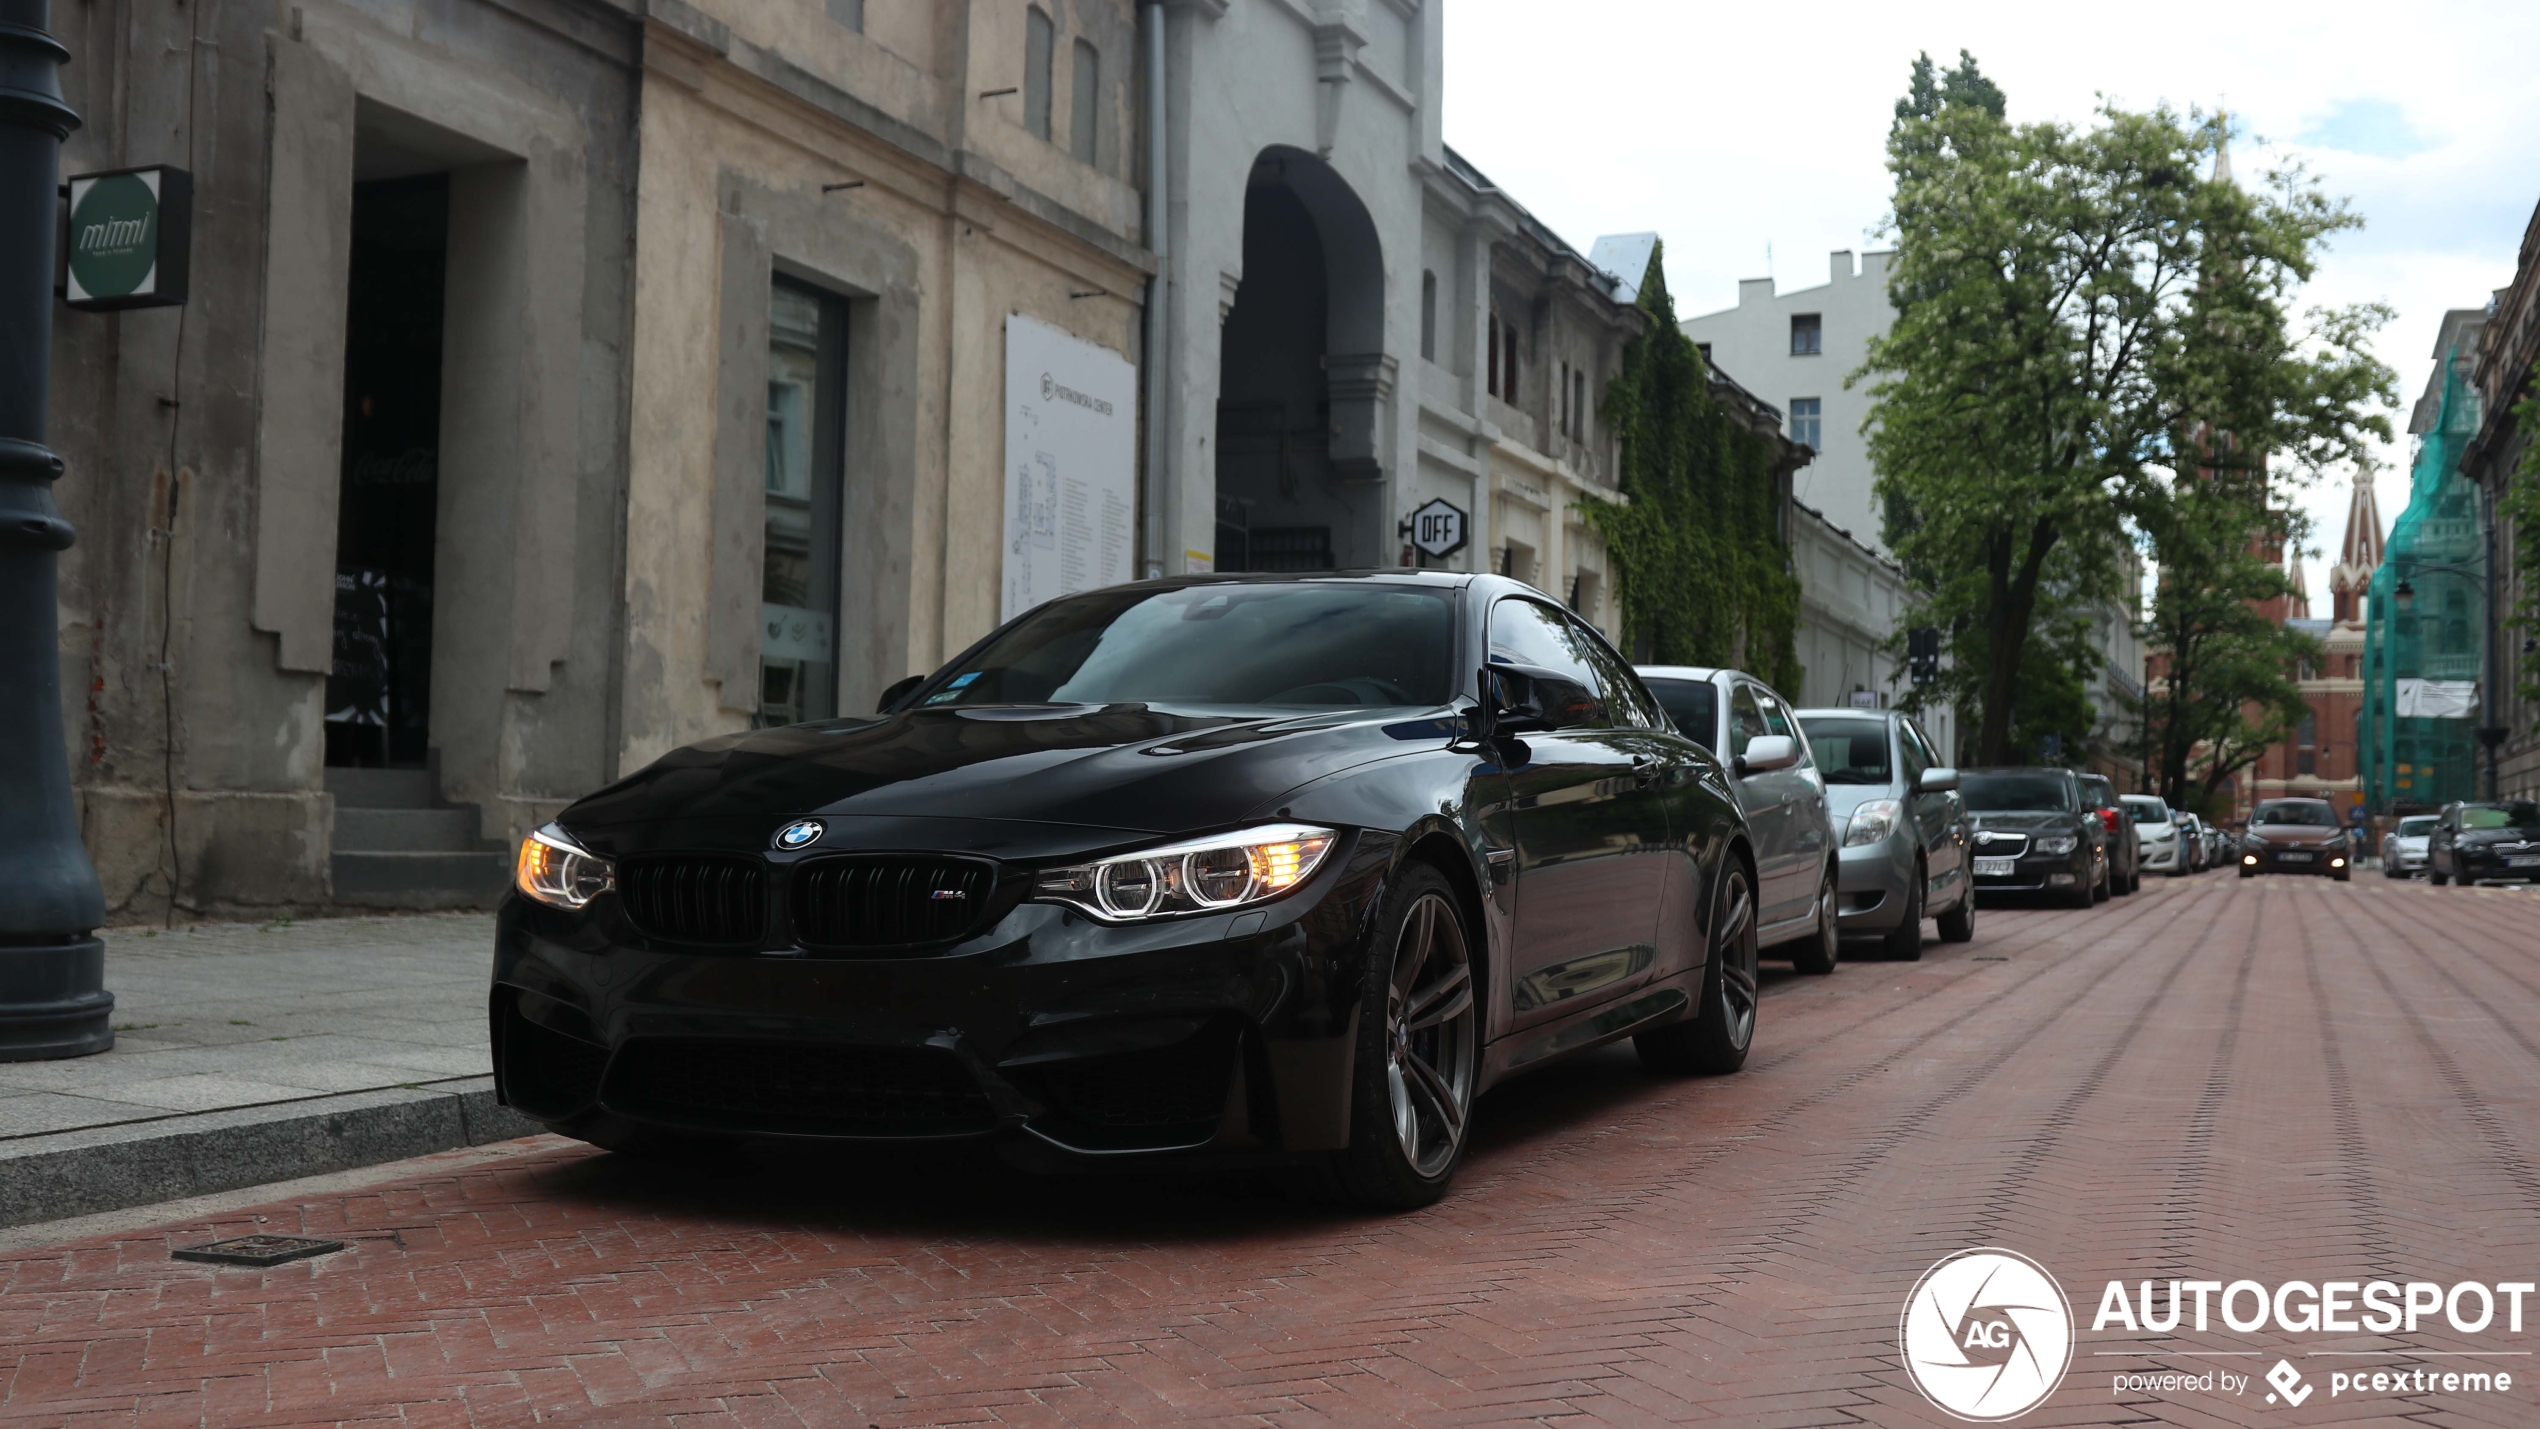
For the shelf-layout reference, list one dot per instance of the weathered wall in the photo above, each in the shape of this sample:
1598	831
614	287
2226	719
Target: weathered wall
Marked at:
197	610
961	218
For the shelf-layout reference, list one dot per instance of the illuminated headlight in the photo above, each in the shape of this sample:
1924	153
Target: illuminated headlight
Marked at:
1205	875
559	872
1872	822
2057	844
2337	863
2248	858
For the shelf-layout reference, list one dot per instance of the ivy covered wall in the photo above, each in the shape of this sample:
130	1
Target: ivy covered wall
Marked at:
1704	575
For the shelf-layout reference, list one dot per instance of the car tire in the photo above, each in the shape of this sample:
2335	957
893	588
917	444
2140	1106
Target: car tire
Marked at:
2082	896
2437	879
1713	1039
1419	1051
2099	891
1905	941
1817	954
1958	925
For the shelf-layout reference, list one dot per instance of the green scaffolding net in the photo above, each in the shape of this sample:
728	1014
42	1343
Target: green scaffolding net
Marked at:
2423	633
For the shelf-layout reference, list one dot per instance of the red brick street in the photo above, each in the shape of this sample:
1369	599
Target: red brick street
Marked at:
2217	1079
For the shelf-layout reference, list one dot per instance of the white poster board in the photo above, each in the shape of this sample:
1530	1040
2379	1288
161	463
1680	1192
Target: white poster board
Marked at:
2437	699
1071	415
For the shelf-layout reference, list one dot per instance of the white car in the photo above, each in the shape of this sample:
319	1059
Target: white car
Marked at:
2156	836
2403	848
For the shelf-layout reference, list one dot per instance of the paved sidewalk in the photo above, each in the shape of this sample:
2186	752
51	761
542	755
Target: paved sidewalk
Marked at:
247	1053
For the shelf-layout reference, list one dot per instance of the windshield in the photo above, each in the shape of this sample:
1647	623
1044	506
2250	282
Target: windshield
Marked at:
1310	645
1694	705
2500	816
2418	827
2148	811
1996	793
2296	811
1849	751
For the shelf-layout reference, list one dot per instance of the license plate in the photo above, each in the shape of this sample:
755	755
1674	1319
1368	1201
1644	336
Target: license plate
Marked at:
2005	867
2528	860
2293	858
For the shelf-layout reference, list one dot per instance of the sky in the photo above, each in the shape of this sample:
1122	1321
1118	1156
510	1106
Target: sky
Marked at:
1752	138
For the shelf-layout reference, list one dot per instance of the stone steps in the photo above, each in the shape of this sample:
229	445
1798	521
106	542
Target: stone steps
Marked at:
398	845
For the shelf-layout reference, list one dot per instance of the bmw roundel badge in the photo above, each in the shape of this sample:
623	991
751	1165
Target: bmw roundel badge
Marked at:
802	833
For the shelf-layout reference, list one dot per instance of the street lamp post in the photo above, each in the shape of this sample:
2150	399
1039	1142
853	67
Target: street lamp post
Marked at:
53	998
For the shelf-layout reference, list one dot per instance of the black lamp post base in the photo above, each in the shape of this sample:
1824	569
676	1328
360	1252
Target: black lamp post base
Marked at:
53	1001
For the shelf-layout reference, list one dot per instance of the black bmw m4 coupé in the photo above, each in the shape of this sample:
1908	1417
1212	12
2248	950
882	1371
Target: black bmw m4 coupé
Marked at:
1248	870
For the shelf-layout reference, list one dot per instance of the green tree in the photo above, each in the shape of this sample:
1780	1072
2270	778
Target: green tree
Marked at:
2521	506
2227	690
2075	308
1704	576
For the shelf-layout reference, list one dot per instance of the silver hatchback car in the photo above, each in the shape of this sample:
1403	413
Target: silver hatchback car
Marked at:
1903	829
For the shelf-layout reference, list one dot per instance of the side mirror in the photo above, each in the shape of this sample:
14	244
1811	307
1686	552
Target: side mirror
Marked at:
1936	781
897	688
1528	699
1768	752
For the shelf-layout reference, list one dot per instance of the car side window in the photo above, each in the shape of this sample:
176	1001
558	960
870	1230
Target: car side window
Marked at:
1777	721
1746	721
1916	760
1625	697
1524	632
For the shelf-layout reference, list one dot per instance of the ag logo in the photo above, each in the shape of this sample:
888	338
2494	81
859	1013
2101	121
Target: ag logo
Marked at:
1987	1335
802	833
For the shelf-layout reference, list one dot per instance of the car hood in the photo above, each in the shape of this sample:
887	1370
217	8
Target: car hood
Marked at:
2497	836
1134	768
2296	834
1842	799
2028	822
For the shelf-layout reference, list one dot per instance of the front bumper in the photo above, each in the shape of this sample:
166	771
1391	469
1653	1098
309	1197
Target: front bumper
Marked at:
2035	872
2478	863
1050	1037
2332	861
2164	856
1872	881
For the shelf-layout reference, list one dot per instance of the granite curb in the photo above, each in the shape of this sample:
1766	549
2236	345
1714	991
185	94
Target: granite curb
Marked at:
105	1168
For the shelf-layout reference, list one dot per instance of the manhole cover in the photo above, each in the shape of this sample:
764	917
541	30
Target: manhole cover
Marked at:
258	1250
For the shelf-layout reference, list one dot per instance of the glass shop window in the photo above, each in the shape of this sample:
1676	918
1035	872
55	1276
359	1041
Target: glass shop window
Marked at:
798	614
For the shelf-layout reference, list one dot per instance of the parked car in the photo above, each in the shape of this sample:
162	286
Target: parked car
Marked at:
2195	840
2295	836
2222	846
1236	868
2036	832
2403	848
2472	842
1905	832
2161	845
1782	793
2125	867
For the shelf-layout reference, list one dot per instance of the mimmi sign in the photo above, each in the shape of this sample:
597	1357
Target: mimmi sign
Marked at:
127	239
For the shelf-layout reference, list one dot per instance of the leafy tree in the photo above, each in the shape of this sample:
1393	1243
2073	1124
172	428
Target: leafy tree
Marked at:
2226	690
1704	576
2520	505
2076	307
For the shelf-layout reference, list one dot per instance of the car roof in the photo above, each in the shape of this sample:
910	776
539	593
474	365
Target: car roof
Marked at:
2146	798
1847	710
1682	672
2294	799
2017	769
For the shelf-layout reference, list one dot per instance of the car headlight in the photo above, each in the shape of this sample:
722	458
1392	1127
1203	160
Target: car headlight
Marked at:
2057	843
1872	822
1207	875
559	872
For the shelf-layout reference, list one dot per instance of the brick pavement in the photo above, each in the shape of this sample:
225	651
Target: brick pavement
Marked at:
2214	1079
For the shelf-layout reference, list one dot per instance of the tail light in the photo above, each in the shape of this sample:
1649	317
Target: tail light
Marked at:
2109	817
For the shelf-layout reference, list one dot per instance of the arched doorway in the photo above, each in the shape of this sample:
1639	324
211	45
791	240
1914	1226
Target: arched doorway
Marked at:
1303	378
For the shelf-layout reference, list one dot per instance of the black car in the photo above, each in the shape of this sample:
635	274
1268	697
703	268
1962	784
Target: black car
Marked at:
2296	836
2036	832
2477	841
2125	856
1232	869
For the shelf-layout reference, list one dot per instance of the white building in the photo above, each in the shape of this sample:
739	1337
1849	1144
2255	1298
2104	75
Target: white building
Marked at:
1794	350
1850	601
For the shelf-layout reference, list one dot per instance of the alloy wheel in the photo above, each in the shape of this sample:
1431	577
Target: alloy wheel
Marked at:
1738	954
1430	1041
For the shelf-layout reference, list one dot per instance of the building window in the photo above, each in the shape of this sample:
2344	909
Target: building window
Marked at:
849	13
1083	107
1039	39
1508	363
1493	385
799	586
1807	334
1705	349
1561	396
1578	417
1807	422
1429	315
